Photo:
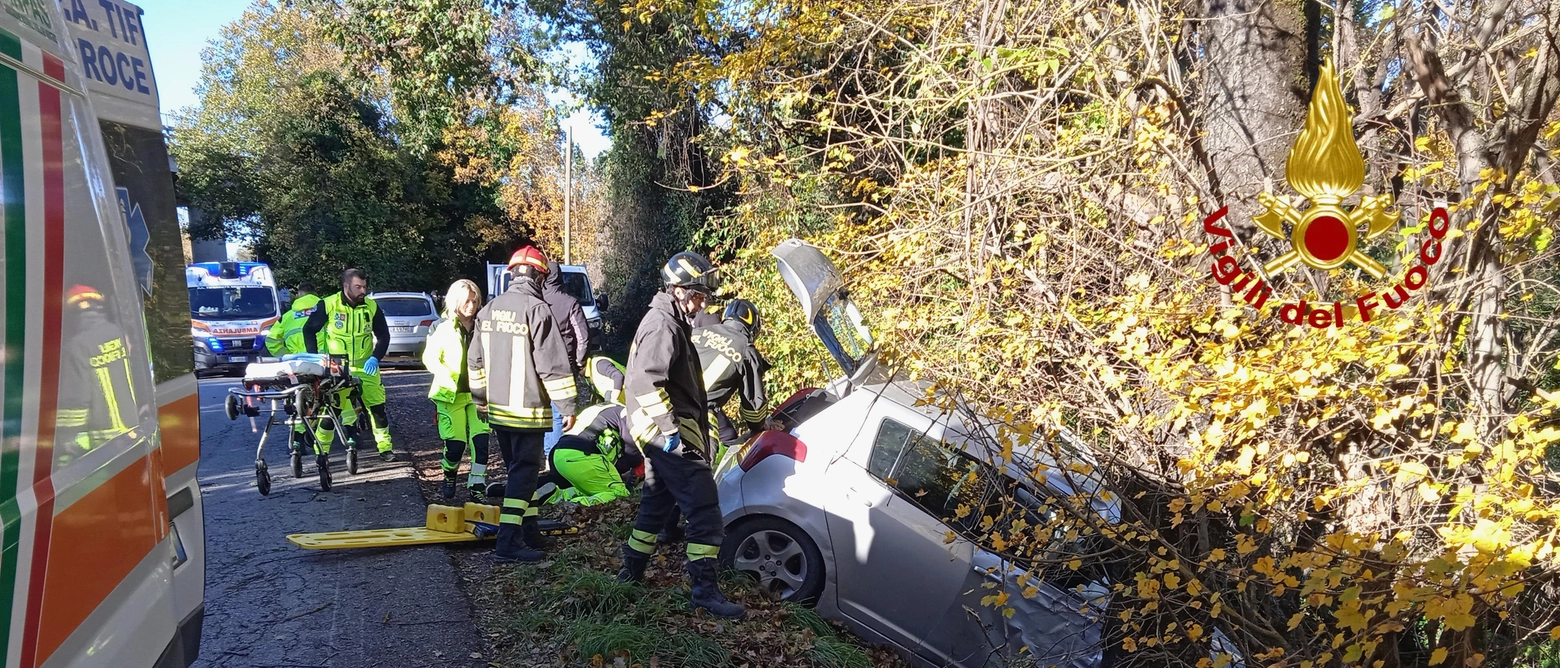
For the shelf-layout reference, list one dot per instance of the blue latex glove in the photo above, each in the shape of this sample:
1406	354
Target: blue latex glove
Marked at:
673	444
371	367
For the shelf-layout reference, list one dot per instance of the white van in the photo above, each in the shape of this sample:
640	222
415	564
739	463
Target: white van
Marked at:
102	560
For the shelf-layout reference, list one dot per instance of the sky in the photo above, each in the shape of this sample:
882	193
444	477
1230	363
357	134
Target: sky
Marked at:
177	31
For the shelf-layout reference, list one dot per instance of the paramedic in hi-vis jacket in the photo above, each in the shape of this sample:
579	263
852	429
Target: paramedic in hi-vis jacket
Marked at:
353	329
668	417
519	371
286	338
460	427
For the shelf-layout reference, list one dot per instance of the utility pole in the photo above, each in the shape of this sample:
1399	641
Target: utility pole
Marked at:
568	194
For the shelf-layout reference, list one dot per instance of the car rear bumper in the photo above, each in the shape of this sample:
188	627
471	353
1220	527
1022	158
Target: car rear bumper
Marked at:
408	347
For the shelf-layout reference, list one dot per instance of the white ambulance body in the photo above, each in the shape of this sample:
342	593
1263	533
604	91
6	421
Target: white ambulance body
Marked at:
101	544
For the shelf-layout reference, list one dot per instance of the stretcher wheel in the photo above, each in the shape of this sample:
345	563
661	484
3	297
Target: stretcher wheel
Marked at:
352	464
262	479
232	406
325	477
297	464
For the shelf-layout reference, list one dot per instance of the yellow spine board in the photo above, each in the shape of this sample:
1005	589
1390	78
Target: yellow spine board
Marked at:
444	524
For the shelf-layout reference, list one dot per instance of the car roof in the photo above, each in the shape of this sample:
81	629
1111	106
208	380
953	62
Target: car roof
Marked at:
400	295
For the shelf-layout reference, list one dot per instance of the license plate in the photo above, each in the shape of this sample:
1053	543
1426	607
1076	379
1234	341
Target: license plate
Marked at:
238	359
400	330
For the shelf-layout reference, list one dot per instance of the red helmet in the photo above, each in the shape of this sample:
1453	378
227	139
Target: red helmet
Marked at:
83	296
529	256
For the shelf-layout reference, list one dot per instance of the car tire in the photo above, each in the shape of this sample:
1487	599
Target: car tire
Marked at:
780	555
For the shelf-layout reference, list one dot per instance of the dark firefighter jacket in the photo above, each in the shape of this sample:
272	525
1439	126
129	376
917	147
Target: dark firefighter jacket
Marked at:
567	313
665	385
732	366
518	365
97	401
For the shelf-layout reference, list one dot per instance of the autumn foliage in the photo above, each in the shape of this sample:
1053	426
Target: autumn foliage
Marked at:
1018	192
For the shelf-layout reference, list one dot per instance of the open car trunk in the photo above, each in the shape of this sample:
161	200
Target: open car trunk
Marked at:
820	289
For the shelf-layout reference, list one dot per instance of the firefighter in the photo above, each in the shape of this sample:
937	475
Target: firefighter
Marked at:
606	376
97	400
353	328
461	428
590	461
520	370
732	366
668	417
286	338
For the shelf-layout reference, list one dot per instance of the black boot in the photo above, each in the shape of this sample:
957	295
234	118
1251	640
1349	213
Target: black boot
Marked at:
706	591
634	563
532	532
511	546
495	492
448	489
476	494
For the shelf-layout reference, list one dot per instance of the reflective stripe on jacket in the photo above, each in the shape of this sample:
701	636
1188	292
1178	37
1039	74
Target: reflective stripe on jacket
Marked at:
732	366
665	385
607	376
354	332
286	336
445	358
518	364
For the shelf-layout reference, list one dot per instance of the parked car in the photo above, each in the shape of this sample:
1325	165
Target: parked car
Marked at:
410	315
870	507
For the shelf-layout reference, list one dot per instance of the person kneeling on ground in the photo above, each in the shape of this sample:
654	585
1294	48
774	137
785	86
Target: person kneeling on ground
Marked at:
591	460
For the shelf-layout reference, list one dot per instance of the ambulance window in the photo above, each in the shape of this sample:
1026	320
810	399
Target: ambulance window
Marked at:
104	402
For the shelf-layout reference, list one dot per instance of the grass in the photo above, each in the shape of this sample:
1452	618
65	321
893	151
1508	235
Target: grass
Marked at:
571	611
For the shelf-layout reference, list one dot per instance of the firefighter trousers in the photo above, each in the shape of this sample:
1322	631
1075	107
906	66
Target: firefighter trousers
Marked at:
678	483
522	453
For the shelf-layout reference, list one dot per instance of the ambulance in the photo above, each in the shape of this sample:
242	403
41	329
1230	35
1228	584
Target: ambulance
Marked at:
232	304
101	551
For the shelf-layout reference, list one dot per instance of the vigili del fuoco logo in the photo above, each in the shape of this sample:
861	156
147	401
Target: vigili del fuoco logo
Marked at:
1325	166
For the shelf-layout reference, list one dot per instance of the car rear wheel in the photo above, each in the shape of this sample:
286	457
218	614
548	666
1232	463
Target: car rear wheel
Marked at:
783	558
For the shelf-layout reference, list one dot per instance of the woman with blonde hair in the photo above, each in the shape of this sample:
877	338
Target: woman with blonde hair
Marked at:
460	426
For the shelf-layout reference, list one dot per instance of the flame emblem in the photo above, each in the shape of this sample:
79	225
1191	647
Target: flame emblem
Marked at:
1326	167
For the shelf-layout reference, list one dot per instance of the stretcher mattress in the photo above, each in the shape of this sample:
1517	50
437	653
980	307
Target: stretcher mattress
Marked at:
283	369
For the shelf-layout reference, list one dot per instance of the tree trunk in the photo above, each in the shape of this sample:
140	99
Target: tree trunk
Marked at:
1253	96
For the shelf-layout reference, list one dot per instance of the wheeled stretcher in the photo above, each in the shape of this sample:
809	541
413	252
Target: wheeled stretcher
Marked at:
300	389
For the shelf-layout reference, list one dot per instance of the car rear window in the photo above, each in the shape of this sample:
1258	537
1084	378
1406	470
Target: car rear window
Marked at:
404	307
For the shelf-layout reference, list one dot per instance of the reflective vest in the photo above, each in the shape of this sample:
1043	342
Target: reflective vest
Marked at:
286	336
349	330
606	375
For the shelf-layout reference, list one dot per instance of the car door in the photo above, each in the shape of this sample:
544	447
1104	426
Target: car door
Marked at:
896	569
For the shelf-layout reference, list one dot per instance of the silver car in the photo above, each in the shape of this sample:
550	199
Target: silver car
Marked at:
869	506
409	315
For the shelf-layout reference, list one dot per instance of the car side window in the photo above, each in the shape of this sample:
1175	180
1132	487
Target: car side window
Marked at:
890	442
947	483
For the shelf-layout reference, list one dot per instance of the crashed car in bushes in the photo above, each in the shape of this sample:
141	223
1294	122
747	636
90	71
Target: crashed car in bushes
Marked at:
877	508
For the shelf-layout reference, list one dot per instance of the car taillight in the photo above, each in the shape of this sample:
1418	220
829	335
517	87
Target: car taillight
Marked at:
425	323
774	443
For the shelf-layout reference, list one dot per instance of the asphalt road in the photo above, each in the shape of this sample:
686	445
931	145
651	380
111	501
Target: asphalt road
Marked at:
269	603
